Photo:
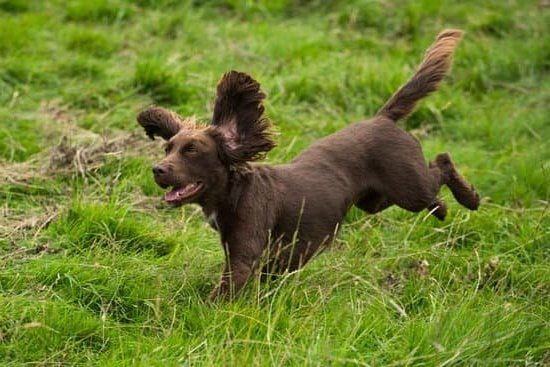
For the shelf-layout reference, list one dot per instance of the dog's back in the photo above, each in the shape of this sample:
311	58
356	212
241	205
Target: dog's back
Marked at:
348	151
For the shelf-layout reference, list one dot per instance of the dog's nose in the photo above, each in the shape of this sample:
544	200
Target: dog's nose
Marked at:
159	170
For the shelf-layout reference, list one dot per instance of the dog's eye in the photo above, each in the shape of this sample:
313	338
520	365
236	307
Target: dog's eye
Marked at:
189	148
168	148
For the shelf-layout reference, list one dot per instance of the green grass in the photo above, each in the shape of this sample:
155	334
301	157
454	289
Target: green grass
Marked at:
96	270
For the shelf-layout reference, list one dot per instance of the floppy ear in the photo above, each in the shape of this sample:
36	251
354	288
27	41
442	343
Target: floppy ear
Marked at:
160	122
238	118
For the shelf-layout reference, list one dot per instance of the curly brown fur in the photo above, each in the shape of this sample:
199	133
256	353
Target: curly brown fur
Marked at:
238	117
282	215
158	121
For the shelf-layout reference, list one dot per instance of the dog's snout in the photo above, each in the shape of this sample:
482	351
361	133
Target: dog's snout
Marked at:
159	170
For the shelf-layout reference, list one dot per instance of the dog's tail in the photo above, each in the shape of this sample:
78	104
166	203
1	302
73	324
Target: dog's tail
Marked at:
433	69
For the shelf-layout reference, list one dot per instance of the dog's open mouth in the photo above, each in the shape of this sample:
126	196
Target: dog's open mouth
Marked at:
179	194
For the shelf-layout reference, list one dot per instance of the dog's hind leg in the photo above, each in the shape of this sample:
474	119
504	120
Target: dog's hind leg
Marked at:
415	187
438	209
373	202
461	189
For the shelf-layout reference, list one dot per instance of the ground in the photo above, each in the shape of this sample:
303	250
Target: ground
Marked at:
96	270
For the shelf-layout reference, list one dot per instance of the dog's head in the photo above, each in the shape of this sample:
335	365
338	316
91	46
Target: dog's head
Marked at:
199	158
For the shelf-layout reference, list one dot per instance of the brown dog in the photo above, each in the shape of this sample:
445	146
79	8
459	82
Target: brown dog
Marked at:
280	216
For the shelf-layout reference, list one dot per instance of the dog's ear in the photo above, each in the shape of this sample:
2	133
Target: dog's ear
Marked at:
238	118
160	122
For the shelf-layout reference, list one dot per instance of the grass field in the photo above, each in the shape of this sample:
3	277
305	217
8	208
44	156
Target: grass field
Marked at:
96	270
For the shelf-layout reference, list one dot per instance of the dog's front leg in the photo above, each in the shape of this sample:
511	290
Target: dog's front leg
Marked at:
243	246
235	274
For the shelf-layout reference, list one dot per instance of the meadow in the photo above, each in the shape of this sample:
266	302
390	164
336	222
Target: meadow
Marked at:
96	270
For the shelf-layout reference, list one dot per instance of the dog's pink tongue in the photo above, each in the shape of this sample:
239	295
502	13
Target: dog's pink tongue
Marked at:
172	195
181	193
